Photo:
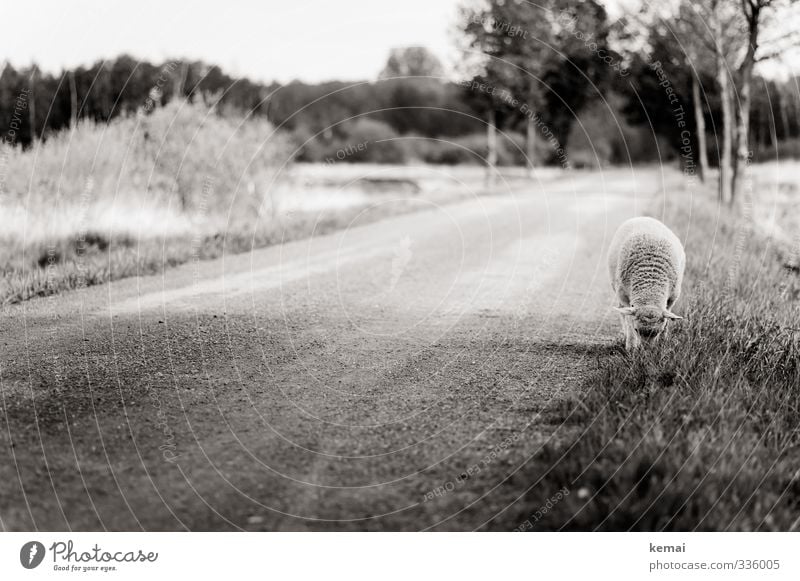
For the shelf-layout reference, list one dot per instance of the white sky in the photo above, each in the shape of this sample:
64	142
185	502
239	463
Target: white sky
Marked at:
311	40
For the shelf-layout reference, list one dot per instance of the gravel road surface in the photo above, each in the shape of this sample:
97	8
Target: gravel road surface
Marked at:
393	376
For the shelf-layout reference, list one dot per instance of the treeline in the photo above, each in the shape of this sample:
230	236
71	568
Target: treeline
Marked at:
586	102
113	88
322	118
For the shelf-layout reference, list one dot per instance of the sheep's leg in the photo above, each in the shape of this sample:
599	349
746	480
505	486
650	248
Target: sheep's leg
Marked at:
629	332
674	294
627	324
631	338
632	341
624	322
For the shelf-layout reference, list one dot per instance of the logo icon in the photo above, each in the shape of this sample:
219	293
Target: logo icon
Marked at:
31	554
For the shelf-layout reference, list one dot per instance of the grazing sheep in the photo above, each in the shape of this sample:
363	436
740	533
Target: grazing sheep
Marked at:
645	262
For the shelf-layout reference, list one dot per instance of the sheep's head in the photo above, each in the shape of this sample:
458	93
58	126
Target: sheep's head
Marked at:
648	321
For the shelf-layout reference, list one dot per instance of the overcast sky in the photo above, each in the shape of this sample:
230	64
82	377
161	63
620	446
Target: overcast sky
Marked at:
311	40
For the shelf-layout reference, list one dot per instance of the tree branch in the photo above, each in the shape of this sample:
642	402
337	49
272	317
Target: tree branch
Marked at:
775	53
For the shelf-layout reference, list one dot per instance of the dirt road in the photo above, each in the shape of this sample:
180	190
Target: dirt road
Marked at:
390	376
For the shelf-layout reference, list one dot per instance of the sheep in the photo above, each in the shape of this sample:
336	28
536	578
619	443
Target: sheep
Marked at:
645	262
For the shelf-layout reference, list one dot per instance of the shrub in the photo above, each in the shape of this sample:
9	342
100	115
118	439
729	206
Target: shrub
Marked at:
355	140
167	157
786	148
451	152
469	149
178	173
600	136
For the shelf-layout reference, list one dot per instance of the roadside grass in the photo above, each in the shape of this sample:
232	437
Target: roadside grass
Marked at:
53	265
703	432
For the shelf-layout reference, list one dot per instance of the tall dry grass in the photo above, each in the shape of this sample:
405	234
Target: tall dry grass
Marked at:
108	201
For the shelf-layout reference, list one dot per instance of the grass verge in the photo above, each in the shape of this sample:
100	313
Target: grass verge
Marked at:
701	433
91	258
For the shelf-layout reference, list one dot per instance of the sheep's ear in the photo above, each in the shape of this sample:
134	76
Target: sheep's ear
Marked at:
671	315
627	311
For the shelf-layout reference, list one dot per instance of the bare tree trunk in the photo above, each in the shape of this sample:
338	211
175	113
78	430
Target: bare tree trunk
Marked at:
784	114
742	144
530	127
756	131
772	124
726	153
530	144
32	106
700	125
73	101
179	81
726	148
491	145
745	97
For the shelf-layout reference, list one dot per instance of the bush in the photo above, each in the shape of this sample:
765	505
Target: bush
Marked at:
786	149
180	155
468	149
444	152
381	144
356	140
601	136
146	185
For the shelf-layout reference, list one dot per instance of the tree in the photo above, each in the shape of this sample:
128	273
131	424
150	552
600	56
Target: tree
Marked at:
34	74
179	81
696	39
513	37
411	61
702	56
710	28
73	101
658	80
577	70
725	36
754	12
544	56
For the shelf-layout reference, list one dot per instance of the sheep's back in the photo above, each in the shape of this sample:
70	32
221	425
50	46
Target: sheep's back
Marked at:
646	258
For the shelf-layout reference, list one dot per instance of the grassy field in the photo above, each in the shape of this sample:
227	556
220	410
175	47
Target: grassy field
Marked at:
702	433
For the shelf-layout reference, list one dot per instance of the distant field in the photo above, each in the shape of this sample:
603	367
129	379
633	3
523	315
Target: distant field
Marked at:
776	196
